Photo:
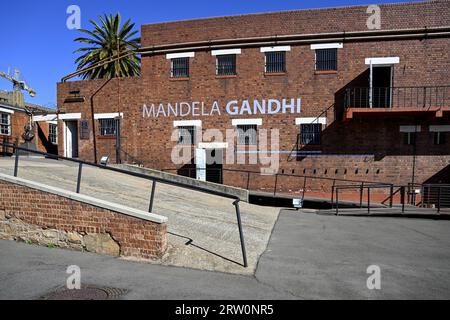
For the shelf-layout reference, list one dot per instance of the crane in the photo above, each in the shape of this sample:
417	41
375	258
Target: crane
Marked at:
18	85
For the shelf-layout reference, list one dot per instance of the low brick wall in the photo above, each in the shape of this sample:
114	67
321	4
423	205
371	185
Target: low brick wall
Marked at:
45	215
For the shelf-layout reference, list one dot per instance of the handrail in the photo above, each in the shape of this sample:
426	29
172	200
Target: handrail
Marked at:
155	180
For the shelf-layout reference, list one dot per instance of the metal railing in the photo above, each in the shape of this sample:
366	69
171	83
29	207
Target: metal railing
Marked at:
16	151
304	181
435	196
397	97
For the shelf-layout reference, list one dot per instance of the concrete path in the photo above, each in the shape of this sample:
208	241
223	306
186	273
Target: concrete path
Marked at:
209	221
309	256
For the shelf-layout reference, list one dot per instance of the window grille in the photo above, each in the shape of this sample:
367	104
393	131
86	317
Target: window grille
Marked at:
326	59
409	138
226	65
247	134
107	127
275	62
186	135
53	133
5	124
439	138
180	68
310	134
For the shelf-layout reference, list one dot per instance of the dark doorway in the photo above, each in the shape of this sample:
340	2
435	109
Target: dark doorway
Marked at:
214	165
382	87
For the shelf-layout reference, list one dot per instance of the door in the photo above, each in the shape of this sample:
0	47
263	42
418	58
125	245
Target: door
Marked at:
381	86
214	165
71	139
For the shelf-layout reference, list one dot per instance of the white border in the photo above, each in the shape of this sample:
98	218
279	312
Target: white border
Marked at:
275	49
382	61
6	111
98	116
310	120
69	116
240	122
337	45
187	123
410	128
48	117
213	145
225	51
170	56
439	128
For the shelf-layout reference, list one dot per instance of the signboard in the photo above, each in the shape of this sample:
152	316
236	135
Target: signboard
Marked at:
200	160
84	130
297	203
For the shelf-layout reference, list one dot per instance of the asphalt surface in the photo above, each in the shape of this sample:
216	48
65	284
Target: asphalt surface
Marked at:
309	256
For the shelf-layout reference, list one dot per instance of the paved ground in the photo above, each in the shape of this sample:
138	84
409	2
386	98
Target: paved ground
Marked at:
209	221
309	256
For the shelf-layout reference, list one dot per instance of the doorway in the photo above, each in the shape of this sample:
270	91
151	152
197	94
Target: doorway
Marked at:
381	86
209	165
71	139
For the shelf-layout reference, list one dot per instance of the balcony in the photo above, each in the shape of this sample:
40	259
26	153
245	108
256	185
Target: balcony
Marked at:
397	100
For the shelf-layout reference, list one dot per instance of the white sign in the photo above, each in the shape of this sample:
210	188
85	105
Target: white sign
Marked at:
297	203
200	160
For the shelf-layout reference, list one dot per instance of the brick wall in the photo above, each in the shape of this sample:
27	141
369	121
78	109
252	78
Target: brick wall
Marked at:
364	148
135	237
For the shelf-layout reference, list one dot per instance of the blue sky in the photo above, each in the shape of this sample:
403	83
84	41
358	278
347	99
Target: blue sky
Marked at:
36	41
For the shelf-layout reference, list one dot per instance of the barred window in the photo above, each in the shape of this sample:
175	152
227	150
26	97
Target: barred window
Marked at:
439	138
326	59
5	124
180	68
226	65
409	138
275	62
186	135
247	134
310	133
107	127
53	133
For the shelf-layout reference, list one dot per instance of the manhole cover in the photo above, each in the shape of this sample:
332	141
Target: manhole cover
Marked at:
86	292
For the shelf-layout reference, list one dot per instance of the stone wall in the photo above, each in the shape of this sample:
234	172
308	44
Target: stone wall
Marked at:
52	217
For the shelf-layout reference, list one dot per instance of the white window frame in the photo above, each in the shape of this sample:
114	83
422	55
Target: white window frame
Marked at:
8	125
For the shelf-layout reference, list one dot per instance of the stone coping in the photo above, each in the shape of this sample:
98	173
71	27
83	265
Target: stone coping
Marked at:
86	199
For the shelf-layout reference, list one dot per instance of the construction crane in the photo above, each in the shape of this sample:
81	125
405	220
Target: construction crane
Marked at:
18	85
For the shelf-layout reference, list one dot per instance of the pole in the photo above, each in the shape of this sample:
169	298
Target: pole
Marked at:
241	233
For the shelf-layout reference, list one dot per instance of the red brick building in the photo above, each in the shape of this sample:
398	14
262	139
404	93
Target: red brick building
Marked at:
350	102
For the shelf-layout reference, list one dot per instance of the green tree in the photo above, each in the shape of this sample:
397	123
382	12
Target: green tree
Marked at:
105	40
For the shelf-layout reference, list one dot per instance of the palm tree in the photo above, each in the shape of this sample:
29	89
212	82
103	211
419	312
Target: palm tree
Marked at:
105	42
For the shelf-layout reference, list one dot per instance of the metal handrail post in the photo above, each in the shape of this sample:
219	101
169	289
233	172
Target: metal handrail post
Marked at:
391	202
16	163
80	170
368	200
241	233
361	191
439	199
337	201
152	196
403	198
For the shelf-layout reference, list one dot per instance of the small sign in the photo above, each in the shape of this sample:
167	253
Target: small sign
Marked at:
84	130
297	203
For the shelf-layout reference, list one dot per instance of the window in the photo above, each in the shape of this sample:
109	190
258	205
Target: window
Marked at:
409	138
107	127
275	61
5	124
310	133
53	133
186	135
226	65
439	137
180	68
326	59
247	134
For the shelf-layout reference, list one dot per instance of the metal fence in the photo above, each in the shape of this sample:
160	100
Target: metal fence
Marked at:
16	151
398	97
